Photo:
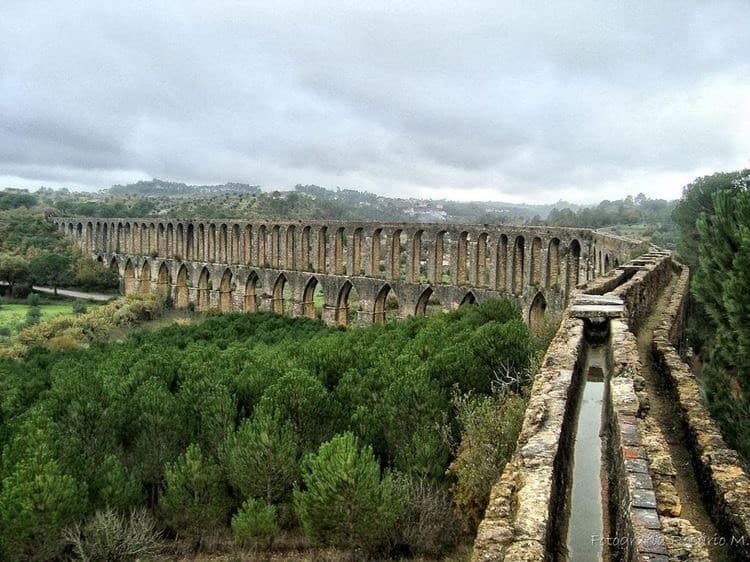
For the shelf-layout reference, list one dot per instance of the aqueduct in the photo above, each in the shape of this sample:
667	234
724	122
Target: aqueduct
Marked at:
363	272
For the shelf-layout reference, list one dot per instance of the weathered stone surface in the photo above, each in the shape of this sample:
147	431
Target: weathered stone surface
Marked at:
647	518
644	498
650	543
684	542
623	394
668	501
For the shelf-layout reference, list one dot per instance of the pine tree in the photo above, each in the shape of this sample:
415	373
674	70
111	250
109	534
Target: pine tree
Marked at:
721	284
345	502
262	459
195	500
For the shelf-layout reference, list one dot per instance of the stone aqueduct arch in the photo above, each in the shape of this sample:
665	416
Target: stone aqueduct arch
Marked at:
390	269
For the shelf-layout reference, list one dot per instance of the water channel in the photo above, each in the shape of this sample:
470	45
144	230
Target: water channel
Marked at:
586	522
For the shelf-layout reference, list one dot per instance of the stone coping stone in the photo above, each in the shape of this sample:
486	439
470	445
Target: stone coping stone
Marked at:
597	311
598	300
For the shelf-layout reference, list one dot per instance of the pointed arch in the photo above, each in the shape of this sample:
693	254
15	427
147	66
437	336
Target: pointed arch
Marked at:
146	277
290	247
469	298
105	238
129	280
426	303
190	243
553	264
501	264
385	301
415	257
182	291
573	265
276	246
204	290
251	292
226	302
357	252
310	308
164	280
247	244
437	258
152	240
223	243
211	243
236	245
376	253
170	250
462	258
339	252
396	269
481	258
201	243
89	240
306	250
518	263
260	247
160	234
536	262
278	305
347	305
536	313
118	238
320	266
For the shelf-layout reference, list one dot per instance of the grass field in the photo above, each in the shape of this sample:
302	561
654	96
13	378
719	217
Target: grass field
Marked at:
11	315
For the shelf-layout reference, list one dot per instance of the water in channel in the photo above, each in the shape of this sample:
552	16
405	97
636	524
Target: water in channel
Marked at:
586	523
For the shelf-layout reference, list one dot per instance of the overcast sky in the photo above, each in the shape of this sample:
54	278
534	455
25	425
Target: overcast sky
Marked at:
472	100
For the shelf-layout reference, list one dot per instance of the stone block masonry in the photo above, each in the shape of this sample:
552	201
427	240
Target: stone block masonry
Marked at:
722	476
367	272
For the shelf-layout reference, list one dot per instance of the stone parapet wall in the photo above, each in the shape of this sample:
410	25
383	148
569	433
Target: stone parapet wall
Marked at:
642	290
634	517
518	523
720	470
525	519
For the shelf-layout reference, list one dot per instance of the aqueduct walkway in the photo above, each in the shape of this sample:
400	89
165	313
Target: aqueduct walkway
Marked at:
365	271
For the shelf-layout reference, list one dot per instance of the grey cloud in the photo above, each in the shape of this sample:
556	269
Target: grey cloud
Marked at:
536	101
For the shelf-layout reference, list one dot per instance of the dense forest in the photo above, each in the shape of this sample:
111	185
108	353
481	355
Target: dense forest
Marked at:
384	439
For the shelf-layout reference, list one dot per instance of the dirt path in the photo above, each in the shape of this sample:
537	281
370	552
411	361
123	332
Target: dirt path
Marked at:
98	297
665	411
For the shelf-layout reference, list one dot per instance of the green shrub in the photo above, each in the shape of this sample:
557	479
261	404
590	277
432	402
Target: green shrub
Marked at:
38	498
489	428
427	525
92	275
195	502
255	523
33	316
345	502
111	537
262	459
79	307
20	291
33	299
